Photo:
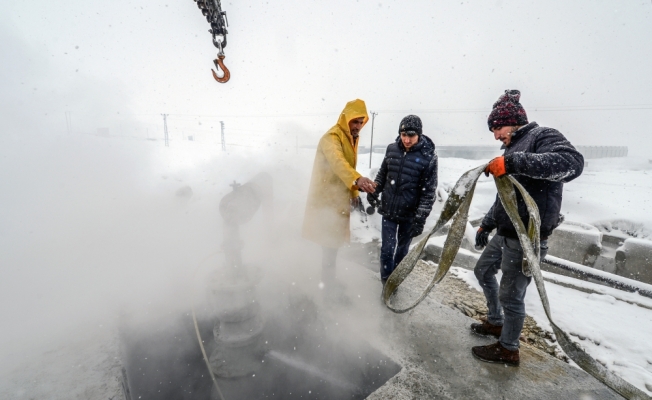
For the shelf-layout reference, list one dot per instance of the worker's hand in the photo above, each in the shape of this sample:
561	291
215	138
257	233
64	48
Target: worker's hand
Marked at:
481	238
496	167
366	184
356	203
416	229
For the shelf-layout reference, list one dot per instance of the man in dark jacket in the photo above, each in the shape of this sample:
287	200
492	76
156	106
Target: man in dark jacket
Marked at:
407	179
542	160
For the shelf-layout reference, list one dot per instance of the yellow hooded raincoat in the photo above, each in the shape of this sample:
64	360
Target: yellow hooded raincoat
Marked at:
326	220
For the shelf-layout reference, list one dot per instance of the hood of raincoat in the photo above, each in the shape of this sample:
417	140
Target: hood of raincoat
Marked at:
332	187
353	109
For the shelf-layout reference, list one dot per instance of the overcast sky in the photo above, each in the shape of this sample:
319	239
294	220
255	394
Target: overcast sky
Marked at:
90	225
294	65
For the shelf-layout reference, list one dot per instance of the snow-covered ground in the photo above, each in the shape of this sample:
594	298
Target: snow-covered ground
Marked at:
92	227
613	331
612	193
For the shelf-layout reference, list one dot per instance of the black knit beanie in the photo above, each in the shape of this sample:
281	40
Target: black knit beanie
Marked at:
410	123
507	111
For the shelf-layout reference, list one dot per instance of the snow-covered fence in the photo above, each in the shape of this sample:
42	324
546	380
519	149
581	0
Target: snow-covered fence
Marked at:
602	151
577	242
634	259
467	260
612	280
469	152
380	148
489	152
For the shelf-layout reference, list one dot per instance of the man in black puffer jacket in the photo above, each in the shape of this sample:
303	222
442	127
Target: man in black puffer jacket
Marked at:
407	179
542	160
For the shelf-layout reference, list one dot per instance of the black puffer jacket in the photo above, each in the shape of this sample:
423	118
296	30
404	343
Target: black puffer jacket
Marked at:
542	160
408	181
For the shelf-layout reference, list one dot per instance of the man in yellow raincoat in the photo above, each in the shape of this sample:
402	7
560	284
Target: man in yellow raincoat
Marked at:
334	186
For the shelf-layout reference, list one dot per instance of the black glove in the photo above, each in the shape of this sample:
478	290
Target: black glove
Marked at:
356	204
482	237
373	201
416	229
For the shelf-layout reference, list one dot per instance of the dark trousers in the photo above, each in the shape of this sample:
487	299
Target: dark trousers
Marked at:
505	301
395	245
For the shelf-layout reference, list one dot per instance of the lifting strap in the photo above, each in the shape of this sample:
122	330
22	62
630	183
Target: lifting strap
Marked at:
457	209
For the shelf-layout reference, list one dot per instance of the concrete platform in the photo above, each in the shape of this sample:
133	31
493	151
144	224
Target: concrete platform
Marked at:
433	344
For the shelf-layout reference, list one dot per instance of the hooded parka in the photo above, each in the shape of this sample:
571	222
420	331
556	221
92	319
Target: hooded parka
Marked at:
326	220
407	180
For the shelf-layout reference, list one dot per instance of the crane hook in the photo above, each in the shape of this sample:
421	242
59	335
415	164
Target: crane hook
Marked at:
219	63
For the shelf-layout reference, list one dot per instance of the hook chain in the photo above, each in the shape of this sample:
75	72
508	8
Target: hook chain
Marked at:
212	10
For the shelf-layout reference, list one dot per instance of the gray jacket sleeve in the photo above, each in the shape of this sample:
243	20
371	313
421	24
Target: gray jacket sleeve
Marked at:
553	158
488	223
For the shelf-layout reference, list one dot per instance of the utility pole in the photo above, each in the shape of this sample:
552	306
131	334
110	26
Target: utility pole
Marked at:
69	122
223	144
165	129
371	148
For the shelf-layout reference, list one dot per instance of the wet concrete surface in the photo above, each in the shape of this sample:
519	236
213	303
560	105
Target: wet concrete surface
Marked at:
433	345
307	356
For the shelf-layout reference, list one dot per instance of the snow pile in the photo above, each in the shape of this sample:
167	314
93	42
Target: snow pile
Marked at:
625	228
613	326
612	194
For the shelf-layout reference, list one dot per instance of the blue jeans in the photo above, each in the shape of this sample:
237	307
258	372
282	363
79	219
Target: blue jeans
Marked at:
506	254
395	245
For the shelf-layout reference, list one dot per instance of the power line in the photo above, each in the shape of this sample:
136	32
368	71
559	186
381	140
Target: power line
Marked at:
426	111
69	122
255	116
485	110
371	146
593	108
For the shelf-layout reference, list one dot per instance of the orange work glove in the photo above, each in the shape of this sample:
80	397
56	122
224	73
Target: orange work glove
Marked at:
496	167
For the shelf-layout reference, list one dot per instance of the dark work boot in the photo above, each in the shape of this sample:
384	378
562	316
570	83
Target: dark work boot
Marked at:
485	328
496	353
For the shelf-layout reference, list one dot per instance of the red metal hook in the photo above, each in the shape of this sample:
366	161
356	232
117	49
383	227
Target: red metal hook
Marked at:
219	63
